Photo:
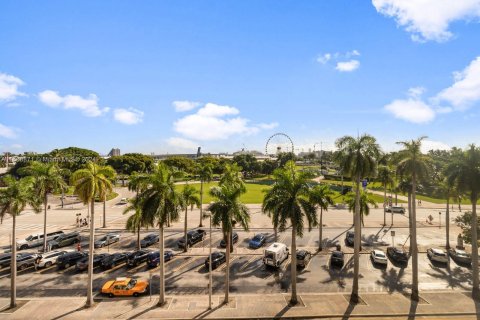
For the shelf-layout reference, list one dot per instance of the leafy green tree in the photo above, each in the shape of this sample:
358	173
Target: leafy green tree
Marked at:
366	200
464	173
268	166
284	157
90	183
358	159
188	198
289	197
16	195
412	162
181	163
248	163
226	211
464	221
205	174
322	196
160	203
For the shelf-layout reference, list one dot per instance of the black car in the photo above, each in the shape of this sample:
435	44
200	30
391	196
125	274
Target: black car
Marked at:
150	239
82	264
337	258
350	238
64	240
113	260
193	236
6	259
397	255
69	259
217	259
223	244
137	257
153	258
303	258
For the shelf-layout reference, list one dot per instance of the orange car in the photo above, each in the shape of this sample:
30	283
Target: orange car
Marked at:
125	287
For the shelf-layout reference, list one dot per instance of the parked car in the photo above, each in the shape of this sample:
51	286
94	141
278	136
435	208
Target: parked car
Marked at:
69	259
337	258
64	240
36	240
378	256
47	259
223	244
153	258
438	255
460	256
137	257
275	254
113	260
26	260
395	209
257	241
150	239
303	258
107	240
350	238
397	255
193	236
82	264
125	287
218	258
123	201
6	259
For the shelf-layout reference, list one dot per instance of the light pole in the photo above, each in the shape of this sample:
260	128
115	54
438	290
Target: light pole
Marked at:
440	220
210	280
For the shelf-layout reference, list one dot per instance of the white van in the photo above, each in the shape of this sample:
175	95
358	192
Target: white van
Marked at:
275	254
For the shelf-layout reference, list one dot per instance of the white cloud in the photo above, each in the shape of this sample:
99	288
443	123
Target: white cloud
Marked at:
212	122
428	19
428	145
412	110
465	91
268	126
88	106
416	92
181	143
7	132
181	106
9	87
324	58
354	53
128	116
348	66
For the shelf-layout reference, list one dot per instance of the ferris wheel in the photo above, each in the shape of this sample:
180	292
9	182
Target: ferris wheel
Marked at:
278	143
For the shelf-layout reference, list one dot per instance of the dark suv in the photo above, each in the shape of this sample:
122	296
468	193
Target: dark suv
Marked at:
350	238
65	240
82	264
193	236
69	259
113	260
223	244
397	255
137	257
149	240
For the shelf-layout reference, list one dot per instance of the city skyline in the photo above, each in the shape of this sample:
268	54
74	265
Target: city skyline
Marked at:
173	76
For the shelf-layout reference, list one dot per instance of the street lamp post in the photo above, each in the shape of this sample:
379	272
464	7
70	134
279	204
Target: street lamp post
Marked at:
440	220
210	268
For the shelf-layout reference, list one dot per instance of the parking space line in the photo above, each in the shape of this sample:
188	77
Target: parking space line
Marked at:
116	268
247	263
135	269
158	267
224	266
46	269
186	263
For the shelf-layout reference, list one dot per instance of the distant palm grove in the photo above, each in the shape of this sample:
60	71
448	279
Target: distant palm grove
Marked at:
295	192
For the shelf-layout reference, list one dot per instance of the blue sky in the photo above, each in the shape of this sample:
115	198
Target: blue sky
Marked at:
167	76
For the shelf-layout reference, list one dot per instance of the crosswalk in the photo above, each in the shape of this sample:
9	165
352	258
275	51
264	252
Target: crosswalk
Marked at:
28	226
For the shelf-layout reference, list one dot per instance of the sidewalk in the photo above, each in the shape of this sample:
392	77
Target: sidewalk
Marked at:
379	305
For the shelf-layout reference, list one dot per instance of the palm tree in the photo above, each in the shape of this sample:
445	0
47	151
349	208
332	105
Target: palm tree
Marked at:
445	189
385	176
412	162
205	174
269	207
160	203
48	178
226	211
366	200
13	199
322	196
137	220
289	197
359	160
112	178
89	183
189	198
464	173
232	176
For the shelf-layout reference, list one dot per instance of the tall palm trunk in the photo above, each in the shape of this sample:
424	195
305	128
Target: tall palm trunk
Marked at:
45	200
384	204
475	289
13	265
293	264
320	229
161	300
447	223
90	255
185	230
139	246
201	204
104	211
357	239
275	233
413	241
227	271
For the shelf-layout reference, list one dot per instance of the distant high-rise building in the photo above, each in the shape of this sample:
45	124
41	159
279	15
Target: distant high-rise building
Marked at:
114	152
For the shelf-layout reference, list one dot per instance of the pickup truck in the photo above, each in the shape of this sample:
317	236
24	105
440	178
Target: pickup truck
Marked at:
36	240
193	236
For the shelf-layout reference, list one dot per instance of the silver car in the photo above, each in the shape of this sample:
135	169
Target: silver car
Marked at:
438	255
106	240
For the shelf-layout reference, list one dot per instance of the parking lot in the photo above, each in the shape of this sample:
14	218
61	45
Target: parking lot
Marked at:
186	272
